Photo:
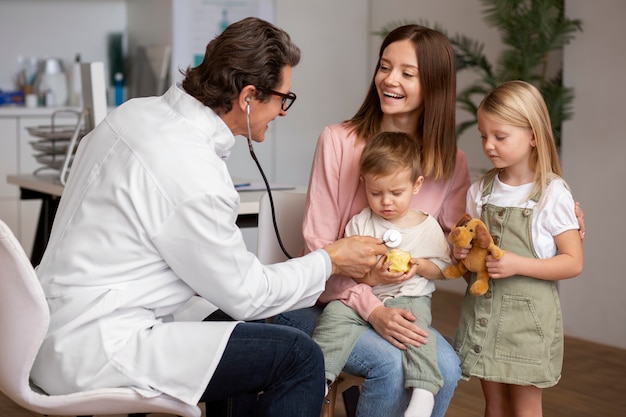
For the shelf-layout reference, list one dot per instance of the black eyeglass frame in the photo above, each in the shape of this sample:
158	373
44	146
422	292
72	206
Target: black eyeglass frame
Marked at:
287	99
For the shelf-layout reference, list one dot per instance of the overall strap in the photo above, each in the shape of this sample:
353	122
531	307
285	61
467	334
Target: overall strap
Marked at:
551	176
488	181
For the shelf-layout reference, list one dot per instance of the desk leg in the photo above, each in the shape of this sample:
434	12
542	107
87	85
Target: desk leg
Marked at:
49	205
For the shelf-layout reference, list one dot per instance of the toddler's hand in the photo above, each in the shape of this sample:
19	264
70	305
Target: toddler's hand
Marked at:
380	274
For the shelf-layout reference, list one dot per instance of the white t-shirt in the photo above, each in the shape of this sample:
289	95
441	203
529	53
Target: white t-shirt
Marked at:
553	214
425	240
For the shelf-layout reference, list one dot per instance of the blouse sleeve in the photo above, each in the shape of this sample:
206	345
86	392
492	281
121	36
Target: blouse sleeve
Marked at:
358	297
322	219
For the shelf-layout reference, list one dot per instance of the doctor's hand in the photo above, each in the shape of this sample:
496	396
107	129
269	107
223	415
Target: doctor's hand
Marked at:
356	255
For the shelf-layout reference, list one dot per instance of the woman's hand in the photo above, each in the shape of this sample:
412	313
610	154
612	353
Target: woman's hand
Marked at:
580	216
397	326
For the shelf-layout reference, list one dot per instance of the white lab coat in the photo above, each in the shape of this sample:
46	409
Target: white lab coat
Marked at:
146	221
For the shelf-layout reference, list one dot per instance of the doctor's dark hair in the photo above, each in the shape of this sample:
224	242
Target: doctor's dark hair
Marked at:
248	52
389	152
436	129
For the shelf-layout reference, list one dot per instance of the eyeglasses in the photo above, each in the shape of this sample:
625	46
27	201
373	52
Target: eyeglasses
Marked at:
288	98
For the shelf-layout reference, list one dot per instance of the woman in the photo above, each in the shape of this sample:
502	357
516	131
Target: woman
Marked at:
413	91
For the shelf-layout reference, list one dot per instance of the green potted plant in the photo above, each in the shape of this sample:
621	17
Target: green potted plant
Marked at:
531	31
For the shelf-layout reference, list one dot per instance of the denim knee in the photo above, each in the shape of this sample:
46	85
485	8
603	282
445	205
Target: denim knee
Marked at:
303	319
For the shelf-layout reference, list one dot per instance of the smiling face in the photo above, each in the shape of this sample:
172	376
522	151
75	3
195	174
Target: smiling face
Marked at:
397	80
508	147
262	113
390	196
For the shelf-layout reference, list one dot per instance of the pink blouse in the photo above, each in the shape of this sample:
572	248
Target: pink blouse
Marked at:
336	194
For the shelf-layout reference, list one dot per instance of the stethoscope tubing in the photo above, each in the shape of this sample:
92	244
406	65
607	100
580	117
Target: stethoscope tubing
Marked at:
267	186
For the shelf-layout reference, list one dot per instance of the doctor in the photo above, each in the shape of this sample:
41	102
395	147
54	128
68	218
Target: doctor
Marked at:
147	221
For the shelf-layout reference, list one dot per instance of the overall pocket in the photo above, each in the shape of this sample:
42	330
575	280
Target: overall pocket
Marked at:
519	336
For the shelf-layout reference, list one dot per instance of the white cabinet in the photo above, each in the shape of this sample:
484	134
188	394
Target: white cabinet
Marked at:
16	157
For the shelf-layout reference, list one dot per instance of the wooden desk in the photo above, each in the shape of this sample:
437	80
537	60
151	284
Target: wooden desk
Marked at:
48	188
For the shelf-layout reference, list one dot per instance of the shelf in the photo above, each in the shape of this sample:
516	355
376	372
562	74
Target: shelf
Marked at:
18	111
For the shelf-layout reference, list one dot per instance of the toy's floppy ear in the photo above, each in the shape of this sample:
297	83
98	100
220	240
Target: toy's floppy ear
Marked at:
463	220
482	235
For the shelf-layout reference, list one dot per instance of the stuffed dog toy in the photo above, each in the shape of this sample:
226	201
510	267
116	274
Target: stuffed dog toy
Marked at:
473	230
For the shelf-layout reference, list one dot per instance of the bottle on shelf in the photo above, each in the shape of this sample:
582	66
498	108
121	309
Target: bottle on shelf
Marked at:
76	93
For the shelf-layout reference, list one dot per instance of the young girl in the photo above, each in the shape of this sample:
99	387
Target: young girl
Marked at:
512	338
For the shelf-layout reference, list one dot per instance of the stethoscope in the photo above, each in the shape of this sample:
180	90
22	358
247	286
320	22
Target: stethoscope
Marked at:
391	238
267	184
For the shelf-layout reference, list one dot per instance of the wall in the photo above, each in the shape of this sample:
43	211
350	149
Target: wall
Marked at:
59	28
593	161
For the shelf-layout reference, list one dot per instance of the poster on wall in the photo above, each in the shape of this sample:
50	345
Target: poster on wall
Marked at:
196	22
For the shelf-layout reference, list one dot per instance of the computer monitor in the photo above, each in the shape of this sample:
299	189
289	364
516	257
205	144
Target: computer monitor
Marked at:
94	93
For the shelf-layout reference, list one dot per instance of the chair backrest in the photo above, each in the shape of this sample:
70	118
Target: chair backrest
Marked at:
289	208
24	316
24	320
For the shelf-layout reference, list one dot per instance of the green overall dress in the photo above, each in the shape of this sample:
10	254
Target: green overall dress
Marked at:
513	334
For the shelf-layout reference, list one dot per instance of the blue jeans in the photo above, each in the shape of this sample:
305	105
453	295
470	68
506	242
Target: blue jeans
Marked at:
383	393
283	363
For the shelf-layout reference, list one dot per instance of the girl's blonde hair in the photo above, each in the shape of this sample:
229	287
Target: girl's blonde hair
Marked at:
519	103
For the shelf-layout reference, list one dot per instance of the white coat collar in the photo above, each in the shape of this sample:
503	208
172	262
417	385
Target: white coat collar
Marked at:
202	117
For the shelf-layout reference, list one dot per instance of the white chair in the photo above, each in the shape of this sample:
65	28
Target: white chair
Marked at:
24	320
289	208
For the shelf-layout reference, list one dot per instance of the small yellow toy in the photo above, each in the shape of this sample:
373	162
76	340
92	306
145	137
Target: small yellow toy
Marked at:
473	230
400	260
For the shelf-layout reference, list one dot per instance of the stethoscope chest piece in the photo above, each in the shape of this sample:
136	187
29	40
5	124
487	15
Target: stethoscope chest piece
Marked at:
392	238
